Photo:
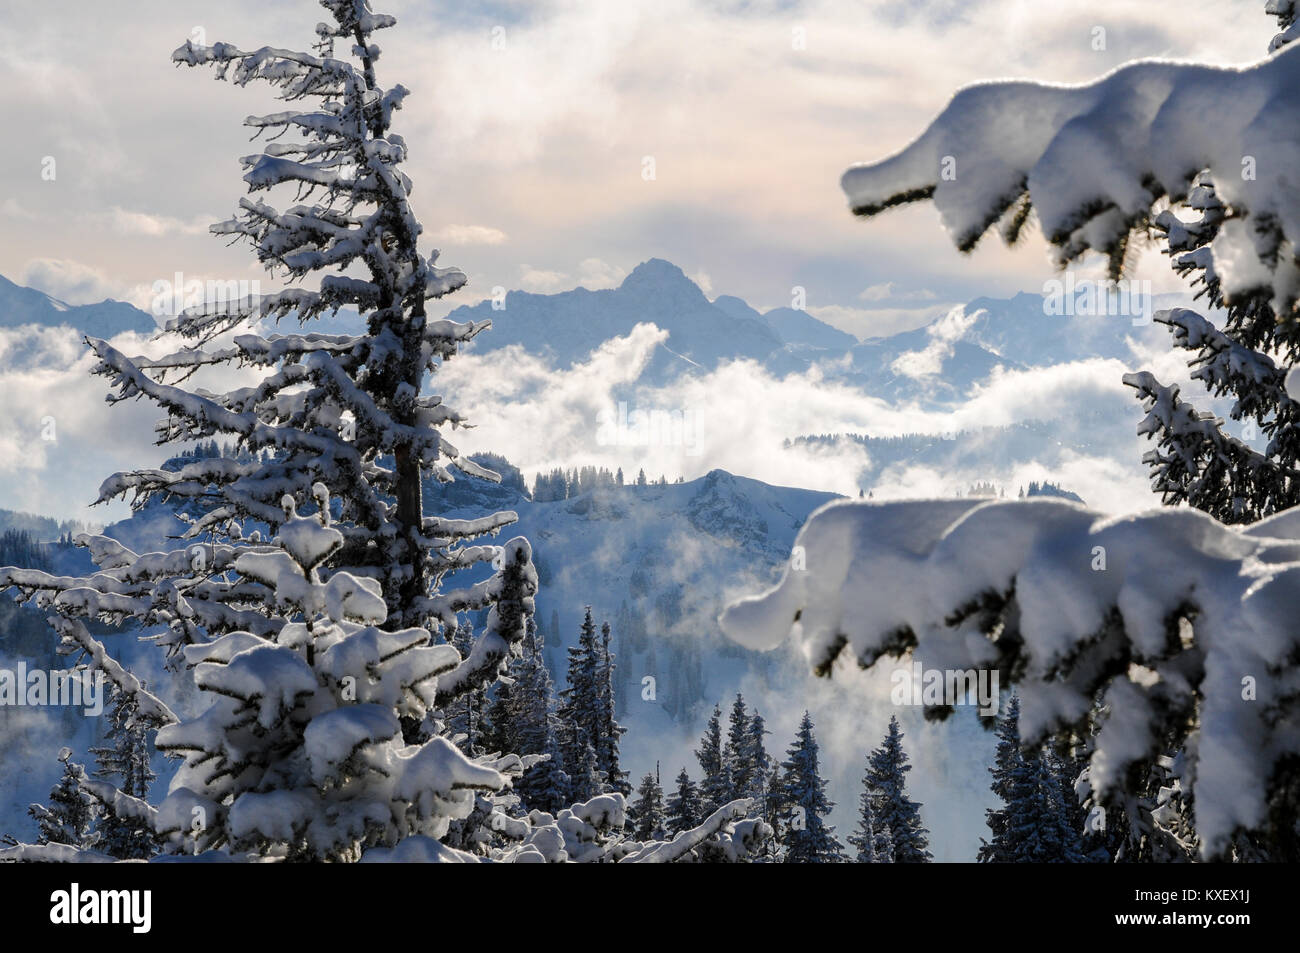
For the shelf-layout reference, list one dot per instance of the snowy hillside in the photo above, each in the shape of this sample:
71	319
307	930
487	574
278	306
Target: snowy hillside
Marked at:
659	562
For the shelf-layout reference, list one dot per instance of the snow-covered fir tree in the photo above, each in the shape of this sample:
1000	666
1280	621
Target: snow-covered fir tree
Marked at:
685	806
1048	836
301	754
760	786
314	603
1208	184
715	784
1033	825
648	809
498	726
587	715
1196	460
68	817
613	777
1007	759
737	753
1165	644
583	771
533	727
865	836
579	700
465	719
805	836
886	778
346	412
125	760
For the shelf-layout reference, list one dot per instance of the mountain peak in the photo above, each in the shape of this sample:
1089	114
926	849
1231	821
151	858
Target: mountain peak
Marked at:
657	273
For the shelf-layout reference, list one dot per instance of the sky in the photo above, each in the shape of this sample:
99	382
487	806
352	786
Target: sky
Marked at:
561	142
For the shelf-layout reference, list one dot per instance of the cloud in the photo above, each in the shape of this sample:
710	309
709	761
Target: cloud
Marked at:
59	438
878	322
702	279
69	281
943	336
541	418
469	235
592	274
542	281
889	293
144	224
12	210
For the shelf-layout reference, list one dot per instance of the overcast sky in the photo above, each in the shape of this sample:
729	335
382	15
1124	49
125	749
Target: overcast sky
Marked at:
530	124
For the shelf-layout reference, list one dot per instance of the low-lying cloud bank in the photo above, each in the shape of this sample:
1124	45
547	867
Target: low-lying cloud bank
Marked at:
740	416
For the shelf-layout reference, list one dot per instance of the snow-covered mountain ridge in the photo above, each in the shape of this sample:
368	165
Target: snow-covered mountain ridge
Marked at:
20	306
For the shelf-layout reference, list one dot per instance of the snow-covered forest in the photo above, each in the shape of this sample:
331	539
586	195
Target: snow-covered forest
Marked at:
390	562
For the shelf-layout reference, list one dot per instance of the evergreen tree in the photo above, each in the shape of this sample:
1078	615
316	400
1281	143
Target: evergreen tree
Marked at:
466	718
887	769
125	760
884	846
613	777
1214	188
648	810
761	762
1196	460
807	839
1066	769
534	728
1007	761
583	714
866	835
1034	824
685	807
71	812
546	786
346	413
737	755
715	786
584	771
301	754
499	729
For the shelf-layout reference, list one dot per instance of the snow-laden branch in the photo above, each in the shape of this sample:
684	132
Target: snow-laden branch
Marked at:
52	854
1094	159
1184	625
76	637
723	821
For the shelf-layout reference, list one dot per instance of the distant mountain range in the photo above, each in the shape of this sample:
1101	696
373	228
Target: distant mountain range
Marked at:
934	364
20	306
